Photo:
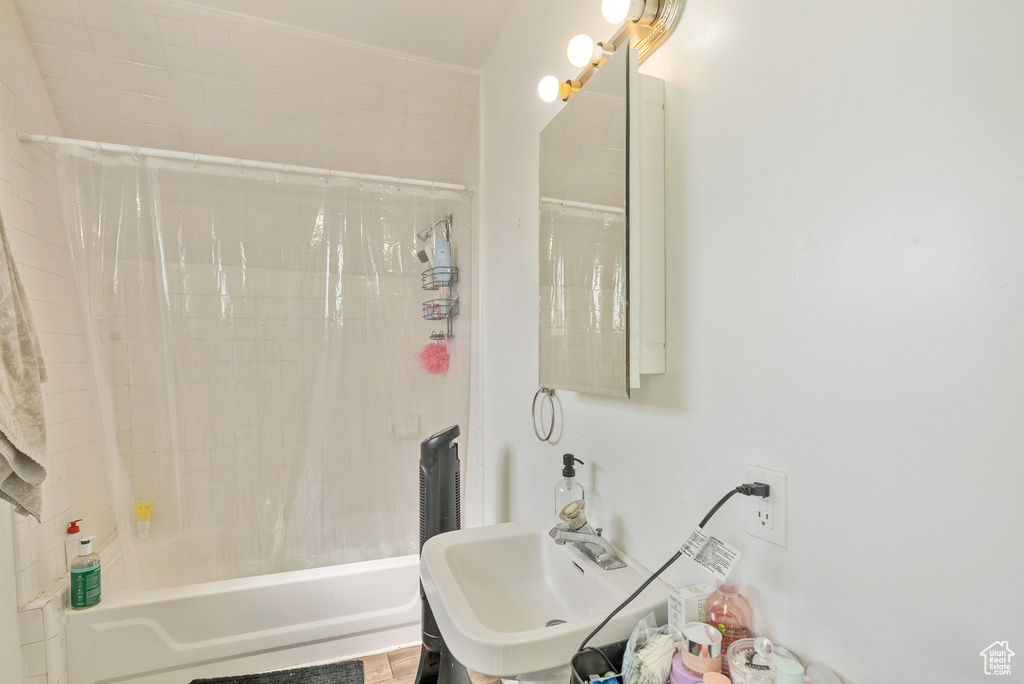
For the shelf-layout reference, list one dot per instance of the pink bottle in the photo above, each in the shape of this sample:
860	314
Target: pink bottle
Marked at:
730	612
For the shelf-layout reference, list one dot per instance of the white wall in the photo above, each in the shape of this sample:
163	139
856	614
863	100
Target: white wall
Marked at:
76	484
165	74
845	297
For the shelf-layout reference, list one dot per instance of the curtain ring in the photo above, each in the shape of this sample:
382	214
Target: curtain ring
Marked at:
195	162
241	169
548	394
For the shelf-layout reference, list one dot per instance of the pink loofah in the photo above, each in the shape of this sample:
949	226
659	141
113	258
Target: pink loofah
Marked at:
433	357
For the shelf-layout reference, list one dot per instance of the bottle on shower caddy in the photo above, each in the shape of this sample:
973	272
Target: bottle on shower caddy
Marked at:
85	576
568	489
442	259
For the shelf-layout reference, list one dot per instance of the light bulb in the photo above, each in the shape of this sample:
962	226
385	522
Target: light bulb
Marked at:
548	88
641	12
615	11
581	50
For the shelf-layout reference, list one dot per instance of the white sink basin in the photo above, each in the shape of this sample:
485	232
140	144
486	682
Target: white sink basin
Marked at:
494	589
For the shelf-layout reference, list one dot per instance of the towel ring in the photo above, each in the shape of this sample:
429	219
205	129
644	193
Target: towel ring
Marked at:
548	394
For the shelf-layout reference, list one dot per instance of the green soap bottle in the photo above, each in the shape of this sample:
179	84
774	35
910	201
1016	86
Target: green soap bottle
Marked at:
85	576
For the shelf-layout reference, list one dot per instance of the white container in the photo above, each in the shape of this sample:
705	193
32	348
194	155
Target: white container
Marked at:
686	604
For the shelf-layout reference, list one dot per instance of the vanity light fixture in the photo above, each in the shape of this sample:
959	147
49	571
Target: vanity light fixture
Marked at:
551	89
643	26
583	51
641	12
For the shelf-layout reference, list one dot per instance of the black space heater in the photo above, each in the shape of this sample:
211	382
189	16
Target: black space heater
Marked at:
440	511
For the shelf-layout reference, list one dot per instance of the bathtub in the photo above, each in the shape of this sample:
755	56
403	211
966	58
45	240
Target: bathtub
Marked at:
174	634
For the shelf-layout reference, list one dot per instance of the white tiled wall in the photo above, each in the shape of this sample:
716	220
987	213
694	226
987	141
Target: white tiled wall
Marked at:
42	640
583	151
76	486
168	75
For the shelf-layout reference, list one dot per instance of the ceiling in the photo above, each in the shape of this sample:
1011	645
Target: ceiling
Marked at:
460	32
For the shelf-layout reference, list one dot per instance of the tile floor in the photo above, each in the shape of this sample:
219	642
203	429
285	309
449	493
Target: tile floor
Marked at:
399	667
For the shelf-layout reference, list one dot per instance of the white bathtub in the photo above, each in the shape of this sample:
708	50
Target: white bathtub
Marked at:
176	634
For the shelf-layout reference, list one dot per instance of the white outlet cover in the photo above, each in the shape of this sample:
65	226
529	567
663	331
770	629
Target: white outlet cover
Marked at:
777	508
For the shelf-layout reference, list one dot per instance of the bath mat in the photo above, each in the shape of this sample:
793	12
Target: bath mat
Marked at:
348	672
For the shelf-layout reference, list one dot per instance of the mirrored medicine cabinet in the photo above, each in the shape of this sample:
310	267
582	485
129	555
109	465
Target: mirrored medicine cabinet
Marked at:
602	234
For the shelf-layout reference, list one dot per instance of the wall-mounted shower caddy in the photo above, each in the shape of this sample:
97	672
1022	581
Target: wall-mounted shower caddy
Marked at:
441	278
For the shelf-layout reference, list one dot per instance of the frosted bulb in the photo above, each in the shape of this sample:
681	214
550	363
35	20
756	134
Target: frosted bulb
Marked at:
581	50
615	11
548	88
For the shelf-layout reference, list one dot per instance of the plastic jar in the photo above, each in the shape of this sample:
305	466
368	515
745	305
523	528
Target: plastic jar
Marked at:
701	648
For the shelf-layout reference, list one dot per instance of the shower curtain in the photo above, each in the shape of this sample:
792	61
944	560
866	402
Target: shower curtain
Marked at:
254	337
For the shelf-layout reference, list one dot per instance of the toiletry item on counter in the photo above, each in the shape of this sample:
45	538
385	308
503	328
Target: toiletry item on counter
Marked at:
730	612
687	604
567	489
715	678
85	576
788	671
649	653
819	674
753	661
655	659
701	648
680	675
606	678
71	543
143	512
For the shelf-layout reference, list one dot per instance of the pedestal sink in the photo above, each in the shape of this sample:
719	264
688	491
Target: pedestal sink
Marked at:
513	604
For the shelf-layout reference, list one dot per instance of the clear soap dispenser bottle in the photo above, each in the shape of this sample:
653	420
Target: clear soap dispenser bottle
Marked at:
568	489
85	576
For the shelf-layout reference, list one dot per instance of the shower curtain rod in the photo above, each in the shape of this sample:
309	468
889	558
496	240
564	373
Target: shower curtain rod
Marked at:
240	163
583	205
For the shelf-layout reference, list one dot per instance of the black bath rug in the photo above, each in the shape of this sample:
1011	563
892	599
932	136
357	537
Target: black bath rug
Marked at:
348	672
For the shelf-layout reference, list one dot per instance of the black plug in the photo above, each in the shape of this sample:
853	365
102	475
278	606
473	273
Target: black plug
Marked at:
756	489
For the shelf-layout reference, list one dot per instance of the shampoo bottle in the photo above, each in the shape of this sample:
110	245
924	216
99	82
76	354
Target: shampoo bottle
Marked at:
85	576
442	259
568	489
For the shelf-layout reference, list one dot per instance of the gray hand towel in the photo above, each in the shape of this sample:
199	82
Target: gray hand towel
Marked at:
22	424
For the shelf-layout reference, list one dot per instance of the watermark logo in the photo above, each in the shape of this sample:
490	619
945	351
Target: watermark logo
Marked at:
997	658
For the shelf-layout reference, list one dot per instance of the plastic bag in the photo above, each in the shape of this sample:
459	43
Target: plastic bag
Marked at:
649	651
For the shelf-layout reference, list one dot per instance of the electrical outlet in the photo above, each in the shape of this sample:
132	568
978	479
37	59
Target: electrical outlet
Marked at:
766	517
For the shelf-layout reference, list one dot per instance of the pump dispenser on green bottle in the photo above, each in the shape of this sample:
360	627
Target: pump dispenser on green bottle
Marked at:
85	576
568	489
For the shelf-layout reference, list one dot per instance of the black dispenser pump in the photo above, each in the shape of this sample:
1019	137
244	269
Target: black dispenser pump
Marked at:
567	465
567	489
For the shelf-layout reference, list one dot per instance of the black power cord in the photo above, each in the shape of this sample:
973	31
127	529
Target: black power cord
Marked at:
755	489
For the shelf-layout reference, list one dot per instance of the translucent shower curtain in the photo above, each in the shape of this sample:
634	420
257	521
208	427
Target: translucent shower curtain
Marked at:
254	339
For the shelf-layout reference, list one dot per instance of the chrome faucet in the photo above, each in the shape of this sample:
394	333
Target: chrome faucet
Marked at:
591	543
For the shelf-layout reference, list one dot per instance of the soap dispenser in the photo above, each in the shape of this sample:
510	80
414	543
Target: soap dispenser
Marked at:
71	543
567	490
85	576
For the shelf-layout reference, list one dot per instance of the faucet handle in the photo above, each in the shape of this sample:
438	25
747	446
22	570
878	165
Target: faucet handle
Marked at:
598	530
